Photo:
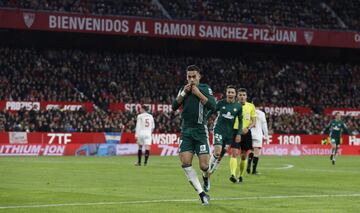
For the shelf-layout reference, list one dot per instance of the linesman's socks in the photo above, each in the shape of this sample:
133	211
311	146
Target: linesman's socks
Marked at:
242	167
233	166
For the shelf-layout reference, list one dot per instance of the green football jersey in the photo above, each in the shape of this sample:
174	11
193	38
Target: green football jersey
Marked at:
194	112
227	112
336	128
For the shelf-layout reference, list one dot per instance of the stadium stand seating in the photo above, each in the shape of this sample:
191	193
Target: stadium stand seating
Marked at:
326	14
107	77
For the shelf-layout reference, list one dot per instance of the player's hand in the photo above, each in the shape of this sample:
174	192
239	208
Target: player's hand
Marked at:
187	88
245	131
195	90
237	139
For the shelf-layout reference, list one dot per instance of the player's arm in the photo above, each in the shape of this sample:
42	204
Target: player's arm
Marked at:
210	112
180	97
345	129
265	129
206	99
327	128
253	118
239	116
239	130
152	124
138	125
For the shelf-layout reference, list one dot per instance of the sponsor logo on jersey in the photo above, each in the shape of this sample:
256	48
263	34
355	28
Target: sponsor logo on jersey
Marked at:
228	115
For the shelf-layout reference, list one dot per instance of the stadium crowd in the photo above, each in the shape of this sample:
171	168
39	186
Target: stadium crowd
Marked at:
307	14
104	77
99	121
326	14
103	7
348	11
81	121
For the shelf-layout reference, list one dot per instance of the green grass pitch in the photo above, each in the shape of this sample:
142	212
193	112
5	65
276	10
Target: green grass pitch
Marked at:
114	184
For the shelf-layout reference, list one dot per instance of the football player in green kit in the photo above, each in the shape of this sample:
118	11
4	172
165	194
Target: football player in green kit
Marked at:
223	135
196	100
336	128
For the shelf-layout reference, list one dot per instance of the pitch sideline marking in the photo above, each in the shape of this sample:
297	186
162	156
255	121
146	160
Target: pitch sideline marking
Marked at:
177	200
287	166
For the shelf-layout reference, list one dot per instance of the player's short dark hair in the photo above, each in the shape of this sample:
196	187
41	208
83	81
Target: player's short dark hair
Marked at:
193	68
255	101
242	90
231	87
144	107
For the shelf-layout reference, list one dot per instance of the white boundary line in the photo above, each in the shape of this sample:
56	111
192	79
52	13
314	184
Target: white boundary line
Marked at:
286	166
177	200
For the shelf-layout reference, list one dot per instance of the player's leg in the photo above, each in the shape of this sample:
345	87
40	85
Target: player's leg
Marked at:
243	162
186	163
214	158
234	149
257	144
202	149
256	160
147	154
333	148
204	166
140	143
186	150
250	159
147	143
335	142
217	142
224	150
245	146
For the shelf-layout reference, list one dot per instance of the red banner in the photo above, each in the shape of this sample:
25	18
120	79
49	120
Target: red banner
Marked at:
134	26
45	105
342	111
135	107
283	139
156	149
53	138
157	138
